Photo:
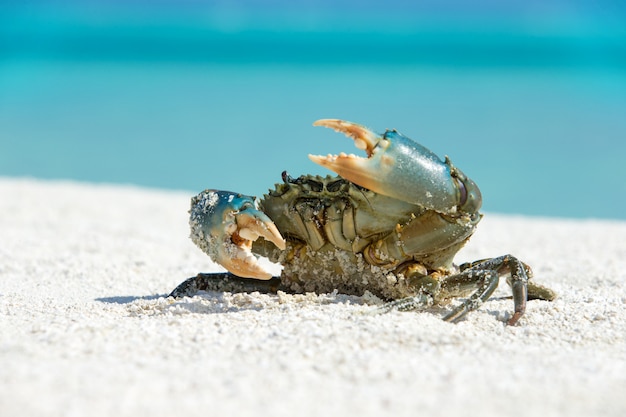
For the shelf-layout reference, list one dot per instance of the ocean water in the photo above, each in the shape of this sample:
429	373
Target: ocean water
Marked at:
539	122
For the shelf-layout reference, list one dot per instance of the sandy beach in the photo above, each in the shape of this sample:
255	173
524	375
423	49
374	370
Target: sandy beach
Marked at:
86	328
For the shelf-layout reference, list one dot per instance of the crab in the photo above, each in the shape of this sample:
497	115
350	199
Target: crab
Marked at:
390	224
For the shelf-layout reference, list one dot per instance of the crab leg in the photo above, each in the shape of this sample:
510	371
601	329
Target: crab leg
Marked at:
225	224
480	279
487	283
226	282
400	168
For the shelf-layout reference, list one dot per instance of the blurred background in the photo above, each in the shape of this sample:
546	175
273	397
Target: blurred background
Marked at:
527	97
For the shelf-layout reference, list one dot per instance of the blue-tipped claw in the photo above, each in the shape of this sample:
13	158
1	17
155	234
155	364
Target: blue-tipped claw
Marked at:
398	167
224	225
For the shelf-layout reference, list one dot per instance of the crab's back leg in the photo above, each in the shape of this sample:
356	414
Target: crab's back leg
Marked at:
482	277
485	282
518	275
535	291
226	282
482	282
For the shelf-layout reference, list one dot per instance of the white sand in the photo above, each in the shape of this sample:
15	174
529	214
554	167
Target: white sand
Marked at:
84	330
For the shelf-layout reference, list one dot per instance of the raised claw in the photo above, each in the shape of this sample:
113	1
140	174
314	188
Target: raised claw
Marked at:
224	225
398	167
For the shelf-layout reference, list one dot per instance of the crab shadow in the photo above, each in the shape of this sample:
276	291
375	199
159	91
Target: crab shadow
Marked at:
218	302
204	302
127	299
224	302
499	315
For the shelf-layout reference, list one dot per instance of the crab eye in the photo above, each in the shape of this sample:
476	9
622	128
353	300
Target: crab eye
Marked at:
334	186
286	177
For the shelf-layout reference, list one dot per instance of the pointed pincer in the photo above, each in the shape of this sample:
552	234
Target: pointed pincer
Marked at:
364	138
397	167
252	224
224	225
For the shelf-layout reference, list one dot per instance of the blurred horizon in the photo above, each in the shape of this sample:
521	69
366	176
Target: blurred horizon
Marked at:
528	98
531	33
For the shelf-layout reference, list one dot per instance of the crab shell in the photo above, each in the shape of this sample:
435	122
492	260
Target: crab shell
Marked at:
335	233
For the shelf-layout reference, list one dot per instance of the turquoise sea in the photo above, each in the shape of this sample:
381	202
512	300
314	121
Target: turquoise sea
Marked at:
198	97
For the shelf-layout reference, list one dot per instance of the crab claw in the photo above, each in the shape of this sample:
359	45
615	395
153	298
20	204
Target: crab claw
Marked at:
224	225
398	167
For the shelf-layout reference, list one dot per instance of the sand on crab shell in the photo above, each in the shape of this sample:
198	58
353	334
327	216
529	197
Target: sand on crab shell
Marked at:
86	327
